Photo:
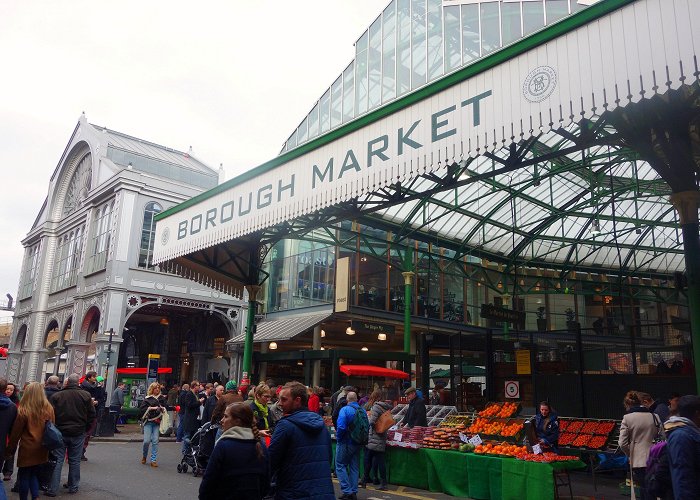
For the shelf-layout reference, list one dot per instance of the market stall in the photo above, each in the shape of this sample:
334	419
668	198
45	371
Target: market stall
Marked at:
474	476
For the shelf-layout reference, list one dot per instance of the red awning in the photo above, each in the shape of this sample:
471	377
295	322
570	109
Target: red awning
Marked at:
372	371
141	371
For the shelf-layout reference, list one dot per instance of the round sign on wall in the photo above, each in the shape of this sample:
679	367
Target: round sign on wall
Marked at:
512	389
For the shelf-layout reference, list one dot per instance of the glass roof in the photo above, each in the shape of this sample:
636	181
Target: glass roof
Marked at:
414	42
598	207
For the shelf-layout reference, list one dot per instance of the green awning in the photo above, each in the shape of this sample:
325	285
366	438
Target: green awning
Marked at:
467	371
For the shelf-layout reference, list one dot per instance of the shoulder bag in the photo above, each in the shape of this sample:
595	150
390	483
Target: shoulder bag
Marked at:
52	438
384	422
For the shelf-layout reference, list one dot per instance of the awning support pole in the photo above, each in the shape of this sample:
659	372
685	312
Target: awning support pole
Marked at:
686	204
249	330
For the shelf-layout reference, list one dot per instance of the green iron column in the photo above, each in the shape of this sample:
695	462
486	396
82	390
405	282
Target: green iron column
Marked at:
249	330
686	204
408	299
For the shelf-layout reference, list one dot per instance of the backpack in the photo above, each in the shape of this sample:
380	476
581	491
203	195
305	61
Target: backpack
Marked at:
52	439
658	472
359	428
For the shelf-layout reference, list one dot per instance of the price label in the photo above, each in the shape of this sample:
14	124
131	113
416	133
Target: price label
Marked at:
398	436
475	440
536	449
463	438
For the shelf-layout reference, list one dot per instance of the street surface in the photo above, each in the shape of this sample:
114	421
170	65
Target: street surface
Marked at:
114	471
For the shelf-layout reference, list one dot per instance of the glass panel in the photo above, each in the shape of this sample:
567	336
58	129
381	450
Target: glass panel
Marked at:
510	22
292	141
389	53
403	48
325	112
575	6
471	44
313	122
361	76
418	43
556	9
375	64
453	45
435	68
148	233
303	131
490	28
348	88
337	102
533	16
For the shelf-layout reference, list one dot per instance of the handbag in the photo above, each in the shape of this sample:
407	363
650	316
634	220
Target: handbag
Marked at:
384	422
52	438
164	423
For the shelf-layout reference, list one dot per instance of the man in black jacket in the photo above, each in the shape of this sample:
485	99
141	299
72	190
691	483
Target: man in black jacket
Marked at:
416	414
75	413
189	404
51	386
90	385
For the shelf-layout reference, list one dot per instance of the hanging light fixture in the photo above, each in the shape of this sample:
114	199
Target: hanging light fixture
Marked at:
273	345
164	321
381	336
323	333
323	348
350	331
595	227
364	348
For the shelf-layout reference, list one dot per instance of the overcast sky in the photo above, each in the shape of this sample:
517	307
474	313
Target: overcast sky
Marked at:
231	79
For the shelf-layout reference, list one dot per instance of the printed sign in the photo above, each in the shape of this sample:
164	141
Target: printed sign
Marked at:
398	436
152	372
536	449
475	440
522	362
342	267
512	389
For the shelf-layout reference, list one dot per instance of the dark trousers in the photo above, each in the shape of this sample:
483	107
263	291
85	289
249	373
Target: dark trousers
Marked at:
88	434
638	474
28	479
115	411
378	465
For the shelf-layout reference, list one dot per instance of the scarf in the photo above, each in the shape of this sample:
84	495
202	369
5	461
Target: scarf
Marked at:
263	410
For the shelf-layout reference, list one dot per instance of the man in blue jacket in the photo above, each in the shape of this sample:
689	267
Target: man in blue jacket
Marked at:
347	452
300	451
684	448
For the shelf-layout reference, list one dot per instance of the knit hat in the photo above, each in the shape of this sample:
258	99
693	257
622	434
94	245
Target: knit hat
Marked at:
100	379
231	385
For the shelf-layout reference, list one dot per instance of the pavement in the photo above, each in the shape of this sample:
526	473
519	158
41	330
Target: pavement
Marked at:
114	471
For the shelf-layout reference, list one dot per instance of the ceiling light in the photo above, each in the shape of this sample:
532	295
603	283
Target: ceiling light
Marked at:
300	363
323	348
595	227
164	321
381	336
364	349
363	259
350	331
323	333
273	345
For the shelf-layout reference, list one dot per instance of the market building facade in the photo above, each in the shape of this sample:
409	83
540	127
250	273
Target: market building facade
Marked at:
90	297
507	188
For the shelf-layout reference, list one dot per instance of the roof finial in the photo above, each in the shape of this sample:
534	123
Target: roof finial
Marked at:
222	173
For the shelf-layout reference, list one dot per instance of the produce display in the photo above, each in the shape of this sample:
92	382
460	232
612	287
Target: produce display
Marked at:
500	410
546	457
512	428
456	421
500	449
585	433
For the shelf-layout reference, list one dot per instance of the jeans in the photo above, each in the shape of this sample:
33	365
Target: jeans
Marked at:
180	429
74	445
186	441
150	436
378	465
28	481
347	466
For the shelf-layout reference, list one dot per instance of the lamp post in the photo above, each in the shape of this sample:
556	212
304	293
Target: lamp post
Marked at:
109	353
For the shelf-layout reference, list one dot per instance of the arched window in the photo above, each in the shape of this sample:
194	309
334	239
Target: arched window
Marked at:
79	186
148	233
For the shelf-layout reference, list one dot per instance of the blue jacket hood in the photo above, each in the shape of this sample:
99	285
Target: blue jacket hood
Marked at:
5	402
306	420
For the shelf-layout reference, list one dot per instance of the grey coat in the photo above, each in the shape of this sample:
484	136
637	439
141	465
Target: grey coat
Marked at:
377	442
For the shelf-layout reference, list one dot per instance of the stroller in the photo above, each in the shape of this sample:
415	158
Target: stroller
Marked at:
198	450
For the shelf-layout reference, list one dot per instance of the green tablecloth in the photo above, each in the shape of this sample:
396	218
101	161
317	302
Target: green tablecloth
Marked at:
473	476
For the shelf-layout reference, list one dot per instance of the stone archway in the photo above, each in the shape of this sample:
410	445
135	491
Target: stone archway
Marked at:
52	338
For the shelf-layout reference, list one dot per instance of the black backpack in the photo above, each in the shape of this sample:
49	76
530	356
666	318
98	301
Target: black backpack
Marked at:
657	478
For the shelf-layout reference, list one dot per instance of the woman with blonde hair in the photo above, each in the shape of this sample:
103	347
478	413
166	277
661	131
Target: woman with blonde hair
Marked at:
153	408
239	458
261	410
28	431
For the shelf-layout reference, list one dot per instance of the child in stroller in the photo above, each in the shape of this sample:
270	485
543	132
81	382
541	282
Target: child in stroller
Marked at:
198	450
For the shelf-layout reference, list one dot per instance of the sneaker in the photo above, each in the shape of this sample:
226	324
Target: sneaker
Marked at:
154	464
143	460
7	477
83	458
117	431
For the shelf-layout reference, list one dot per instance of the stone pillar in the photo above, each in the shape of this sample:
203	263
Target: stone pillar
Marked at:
14	365
316	366
34	369
686	204
199	365
77	357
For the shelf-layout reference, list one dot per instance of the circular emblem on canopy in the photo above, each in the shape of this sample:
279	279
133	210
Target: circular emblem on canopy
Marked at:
165	236
540	83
